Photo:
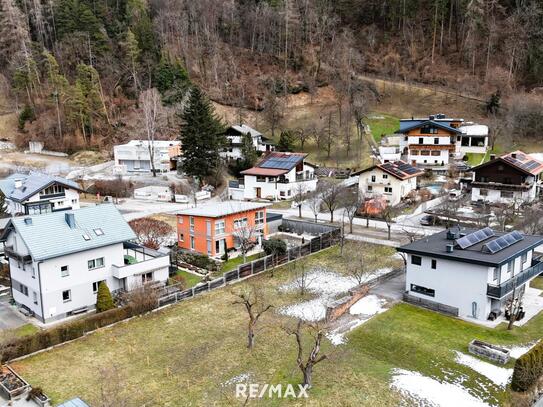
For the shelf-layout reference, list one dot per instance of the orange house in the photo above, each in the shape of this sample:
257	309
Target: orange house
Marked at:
211	229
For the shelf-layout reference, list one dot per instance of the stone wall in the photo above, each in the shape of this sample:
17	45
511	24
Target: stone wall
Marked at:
339	307
489	351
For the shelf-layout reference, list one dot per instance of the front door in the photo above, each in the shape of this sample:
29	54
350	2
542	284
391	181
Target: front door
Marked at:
258	192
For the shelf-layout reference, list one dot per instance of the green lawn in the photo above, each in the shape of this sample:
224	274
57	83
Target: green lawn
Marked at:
232	264
190	279
537	283
187	354
379	127
475	159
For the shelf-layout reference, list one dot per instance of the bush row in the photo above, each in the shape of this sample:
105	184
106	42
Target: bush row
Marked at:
528	369
17	347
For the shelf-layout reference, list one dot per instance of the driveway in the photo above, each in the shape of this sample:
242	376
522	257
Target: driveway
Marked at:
9	318
392	289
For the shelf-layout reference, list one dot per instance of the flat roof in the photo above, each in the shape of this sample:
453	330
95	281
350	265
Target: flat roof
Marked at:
220	209
436	246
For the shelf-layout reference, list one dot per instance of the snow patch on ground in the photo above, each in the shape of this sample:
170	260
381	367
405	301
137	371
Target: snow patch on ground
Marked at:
517	351
430	392
323	282
312	310
241	378
368	305
498	375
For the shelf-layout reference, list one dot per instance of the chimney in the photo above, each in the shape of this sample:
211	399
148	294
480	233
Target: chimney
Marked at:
18	183
514	155
492	157
450	248
28	221
70	219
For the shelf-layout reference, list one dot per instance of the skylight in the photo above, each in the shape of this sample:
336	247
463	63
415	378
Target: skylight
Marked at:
99	232
86	237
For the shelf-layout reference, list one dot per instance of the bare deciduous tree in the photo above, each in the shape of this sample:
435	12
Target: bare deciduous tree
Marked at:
306	364
245	235
352	200
314	201
364	261
255	305
331	194
151	106
300	194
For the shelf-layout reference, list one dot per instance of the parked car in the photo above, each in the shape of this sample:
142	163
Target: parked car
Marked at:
429	220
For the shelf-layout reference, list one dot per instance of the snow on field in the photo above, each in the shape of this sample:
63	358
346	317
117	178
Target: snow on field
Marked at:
499	375
368	305
312	310
241	378
430	392
517	351
323	282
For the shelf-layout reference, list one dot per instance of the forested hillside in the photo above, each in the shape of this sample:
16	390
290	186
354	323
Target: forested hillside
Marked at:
75	70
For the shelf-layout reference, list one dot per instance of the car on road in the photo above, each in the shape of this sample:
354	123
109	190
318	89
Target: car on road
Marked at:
429	220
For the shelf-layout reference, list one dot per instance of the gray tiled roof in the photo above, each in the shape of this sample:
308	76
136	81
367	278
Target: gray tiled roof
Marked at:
31	184
436	246
49	235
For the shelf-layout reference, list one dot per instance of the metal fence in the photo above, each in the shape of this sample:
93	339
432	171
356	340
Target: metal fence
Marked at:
255	267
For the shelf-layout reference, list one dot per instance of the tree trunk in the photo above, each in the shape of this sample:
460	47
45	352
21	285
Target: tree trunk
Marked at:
388	227
316	218
308	374
331	216
512	311
251	337
351	226
300	210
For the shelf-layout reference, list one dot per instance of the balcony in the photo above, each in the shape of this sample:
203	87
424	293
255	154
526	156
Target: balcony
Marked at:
53	196
501	290
10	252
300	177
139	260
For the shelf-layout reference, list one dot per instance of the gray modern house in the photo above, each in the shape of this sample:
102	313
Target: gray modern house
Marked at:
57	260
470	273
37	193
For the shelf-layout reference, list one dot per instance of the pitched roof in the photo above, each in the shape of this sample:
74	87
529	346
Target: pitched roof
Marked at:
265	172
398	169
49	235
218	210
436	246
519	160
31	184
406	125
244	129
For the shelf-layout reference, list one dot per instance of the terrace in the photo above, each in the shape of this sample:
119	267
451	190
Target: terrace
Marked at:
139	260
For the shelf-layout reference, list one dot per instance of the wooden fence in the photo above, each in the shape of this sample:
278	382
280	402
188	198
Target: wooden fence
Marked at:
255	267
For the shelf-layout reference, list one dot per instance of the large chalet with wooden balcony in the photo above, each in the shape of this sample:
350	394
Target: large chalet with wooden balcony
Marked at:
276	176
470	273
430	141
234	137
215	228
513	177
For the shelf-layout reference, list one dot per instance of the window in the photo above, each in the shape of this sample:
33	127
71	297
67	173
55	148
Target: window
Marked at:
434	264
23	289
428	130
385	176
260	178
53	189
436	153
421	140
191	219
524	258
416	260
370	188
95	263
496	274
86	237
180	220
415	152
35	297
425	152
67	296
33	272
483	192
388	190
64	272
240	223
423	290
96	285
506	194
373	178
192	242
209	247
511	266
219	227
98	232
436	140
181	237
74	201
259	217
147	277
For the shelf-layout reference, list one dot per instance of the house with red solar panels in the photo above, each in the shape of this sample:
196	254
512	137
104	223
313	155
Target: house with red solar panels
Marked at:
277	176
513	177
391	181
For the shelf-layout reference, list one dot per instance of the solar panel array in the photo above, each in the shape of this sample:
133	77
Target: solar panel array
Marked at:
502	242
399	169
283	163
474	238
407	168
519	162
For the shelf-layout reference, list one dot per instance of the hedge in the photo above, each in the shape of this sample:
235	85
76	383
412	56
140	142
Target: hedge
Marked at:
25	345
528	369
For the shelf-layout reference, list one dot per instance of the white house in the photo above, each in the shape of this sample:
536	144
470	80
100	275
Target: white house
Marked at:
470	273
473	139
514	176
276	176
57	260
391	180
135	155
37	193
234	136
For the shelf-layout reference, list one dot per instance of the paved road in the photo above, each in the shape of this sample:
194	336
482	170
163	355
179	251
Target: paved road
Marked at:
9	318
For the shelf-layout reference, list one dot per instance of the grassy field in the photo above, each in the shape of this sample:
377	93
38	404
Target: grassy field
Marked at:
382	124
24	330
232	264
188	354
190	279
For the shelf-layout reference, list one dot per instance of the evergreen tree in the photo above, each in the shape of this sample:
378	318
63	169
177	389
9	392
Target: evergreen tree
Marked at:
248	151
104	300
286	141
201	136
3	206
171	80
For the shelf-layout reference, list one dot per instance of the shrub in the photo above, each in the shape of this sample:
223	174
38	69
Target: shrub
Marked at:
275	246
27	114
117	188
198	260
528	369
104	301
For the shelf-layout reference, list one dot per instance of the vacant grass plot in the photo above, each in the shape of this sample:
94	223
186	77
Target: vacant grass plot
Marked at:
193	353
382	124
